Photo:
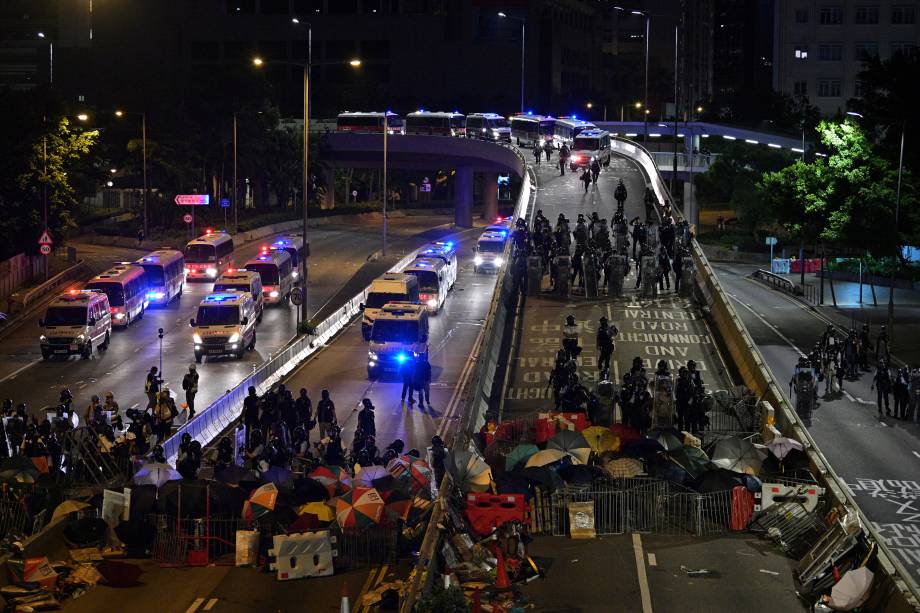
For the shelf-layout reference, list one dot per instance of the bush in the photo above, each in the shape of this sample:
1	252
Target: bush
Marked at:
442	600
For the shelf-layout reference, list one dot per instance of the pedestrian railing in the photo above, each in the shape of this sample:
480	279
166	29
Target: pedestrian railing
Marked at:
775	281
686	162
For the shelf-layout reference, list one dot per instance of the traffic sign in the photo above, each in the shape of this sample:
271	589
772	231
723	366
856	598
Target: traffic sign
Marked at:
771	240
187	218
45	239
193	199
426	185
225	203
297	296
45	249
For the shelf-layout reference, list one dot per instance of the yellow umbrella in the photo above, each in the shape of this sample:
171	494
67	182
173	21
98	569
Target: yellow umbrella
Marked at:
322	510
601	439
67	507
547	456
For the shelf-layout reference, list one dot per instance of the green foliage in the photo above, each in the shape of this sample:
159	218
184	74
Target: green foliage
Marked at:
442	600
306	327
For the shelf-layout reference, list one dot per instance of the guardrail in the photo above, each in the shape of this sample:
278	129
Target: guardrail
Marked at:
757	376
475	395
775	281
686	162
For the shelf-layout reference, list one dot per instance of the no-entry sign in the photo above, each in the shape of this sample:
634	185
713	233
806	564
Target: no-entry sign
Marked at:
193	199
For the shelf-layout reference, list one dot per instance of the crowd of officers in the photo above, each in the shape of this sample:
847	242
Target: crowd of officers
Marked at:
592	247
838	357
640	398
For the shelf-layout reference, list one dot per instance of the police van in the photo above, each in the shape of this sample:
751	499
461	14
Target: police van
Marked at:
399	334
276	272
292	244
488	126
490	249
567	128
588	146
75	322
243	281
390	287
225	324
436	269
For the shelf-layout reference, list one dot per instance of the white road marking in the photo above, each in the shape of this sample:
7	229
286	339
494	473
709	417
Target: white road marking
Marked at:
643	578
210	604
652	560
916	454
18	370
194	606
768	324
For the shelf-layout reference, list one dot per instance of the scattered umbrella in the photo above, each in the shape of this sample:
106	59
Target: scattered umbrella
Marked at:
233	474
737	454
520	455
469	471
548	474
601	439
781	446
333	478
573	443
661	468
544	457
496	453
278	475
358	508
624	468
718	480
261	502
692	459
67	507
625	433
643	448
369	475
668	438
579	474
397	504
852	590
321	510
309	490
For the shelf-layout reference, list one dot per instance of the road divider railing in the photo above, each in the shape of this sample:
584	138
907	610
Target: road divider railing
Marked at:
223	412
476	394
900	586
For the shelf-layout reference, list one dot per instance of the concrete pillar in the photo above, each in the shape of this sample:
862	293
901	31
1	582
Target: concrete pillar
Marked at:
463	197
691	205
329	181
490	196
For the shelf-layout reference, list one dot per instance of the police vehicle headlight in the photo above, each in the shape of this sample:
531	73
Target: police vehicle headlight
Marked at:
433	302
187	271
43	338
294	273
119	315
499	261
81	338
273	293
212	272
197	338
477	260
235	337
372	356
495	133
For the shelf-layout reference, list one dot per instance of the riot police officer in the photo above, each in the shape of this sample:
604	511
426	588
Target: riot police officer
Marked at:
881	381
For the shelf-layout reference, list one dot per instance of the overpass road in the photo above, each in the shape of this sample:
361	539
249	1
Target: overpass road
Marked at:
122	369
876	455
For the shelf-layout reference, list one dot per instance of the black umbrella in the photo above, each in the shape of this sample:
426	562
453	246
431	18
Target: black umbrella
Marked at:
643	448
234	474
308	490
669	471
509	483
579	473
86	531
669	438
718	480
143	501
196	498
137	535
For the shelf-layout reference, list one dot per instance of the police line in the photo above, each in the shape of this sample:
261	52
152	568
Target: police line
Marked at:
755	374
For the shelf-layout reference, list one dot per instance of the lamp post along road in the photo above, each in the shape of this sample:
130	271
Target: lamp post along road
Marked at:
307	69
143	114
523	49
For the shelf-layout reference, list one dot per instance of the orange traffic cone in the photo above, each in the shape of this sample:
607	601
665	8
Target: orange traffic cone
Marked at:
501	577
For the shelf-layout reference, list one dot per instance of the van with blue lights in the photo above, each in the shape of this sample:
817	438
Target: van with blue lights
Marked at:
165	272
293	245
528	129
77	321
277	274
225	324
208	256
490	251
435	123
236	280
389	287
399	335
126	286
436	268
372	122
567	128
488	126
588	146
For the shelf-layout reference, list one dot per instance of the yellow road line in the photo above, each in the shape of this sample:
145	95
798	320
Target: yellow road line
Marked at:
643	577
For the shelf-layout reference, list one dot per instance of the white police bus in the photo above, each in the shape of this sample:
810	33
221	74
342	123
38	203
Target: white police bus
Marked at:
435	123
529	129
588	146
208	256
488	126
165	270
126	287
356	121
567	128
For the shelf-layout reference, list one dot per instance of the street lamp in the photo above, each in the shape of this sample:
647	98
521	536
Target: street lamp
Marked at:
307	70
120	113
523	44
897	215
50	58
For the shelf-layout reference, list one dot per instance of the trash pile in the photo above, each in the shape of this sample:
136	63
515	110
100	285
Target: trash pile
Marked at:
494	495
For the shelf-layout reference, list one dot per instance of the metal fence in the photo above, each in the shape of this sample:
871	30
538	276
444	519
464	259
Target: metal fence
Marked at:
638	505
361	548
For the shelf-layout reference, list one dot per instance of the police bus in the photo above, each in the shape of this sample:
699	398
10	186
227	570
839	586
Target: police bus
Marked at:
488	126
277	274
588	146
126	287
368	122
293	245
436	123
208	256
567	128
528	129
165	269
399	334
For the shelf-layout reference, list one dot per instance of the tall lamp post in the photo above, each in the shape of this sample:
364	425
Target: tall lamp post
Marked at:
307	69
523	45
119	113
897	215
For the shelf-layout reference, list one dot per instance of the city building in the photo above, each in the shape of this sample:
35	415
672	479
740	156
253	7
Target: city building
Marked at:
742	58
819	48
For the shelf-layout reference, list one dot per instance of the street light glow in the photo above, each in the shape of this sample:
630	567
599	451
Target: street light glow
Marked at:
257	61
589	105
295	20
699	109
119	113
638	105
854	114
82	116
502	15
354	63
41	35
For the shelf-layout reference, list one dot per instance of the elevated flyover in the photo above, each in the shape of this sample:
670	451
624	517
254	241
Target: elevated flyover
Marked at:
411	152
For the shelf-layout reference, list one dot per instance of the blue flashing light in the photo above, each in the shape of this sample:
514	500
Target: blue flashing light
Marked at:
574	116
220	297
402	357
148	259
264	258
529	112
503	233
449	244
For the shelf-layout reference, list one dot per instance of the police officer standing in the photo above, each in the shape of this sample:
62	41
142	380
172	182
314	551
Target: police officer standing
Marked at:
570	338
605	346
190	385
152	387
366	418
619	194
683	393
882	382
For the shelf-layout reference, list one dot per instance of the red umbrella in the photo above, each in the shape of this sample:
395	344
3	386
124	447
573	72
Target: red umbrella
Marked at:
359	508
626	433
333	478
398	504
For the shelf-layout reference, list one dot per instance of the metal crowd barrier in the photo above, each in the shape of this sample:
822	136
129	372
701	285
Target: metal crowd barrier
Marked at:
775	281
224	411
